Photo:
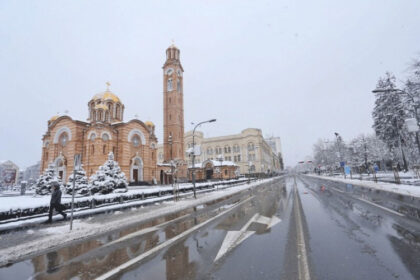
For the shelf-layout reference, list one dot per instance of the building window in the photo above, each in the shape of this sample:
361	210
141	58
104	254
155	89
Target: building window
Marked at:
92	137
92	150
178	85
209	151
226	172
105	137
170	116
64	138
236	149
218	150
136	140
251	146
113	150
169	100
169	84
227	149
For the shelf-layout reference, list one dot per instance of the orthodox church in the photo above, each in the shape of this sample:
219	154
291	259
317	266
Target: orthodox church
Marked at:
133	143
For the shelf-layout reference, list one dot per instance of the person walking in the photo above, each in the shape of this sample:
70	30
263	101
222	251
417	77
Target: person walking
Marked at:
55	202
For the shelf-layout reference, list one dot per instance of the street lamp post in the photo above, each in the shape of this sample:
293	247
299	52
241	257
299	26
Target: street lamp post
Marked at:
193	153
172	164
416	106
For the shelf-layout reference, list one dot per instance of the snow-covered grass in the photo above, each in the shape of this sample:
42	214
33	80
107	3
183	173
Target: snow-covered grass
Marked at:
402	189
28	202
48	238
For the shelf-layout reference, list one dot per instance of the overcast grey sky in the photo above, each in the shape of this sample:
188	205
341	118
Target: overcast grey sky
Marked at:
300	70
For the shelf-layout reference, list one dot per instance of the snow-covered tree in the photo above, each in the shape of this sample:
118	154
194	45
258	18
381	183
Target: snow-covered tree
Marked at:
389	115
109	178
80	183
44	183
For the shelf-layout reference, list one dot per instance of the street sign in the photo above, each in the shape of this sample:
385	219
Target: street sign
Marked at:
77	161
347	169
342	163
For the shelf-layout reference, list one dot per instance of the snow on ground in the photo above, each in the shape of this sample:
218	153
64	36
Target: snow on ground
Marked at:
59	235
10	203
395	188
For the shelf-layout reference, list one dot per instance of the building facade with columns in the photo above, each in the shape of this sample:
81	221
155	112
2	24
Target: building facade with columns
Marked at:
247	149
133	143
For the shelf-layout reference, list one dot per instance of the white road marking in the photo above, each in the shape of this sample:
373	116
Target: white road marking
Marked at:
168	242
234	238
380	206
143	231
303	267
372	203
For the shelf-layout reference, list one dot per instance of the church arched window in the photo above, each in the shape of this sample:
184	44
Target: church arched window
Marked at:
64	138
136	140
92	150
117	111
169	84
178	85
104	149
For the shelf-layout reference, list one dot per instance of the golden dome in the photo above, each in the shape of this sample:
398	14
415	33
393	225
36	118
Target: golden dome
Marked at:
53	118
149	123
105	96
101	106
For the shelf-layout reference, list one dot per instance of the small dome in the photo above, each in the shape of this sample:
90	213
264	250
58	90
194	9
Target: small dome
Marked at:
105	96
149	123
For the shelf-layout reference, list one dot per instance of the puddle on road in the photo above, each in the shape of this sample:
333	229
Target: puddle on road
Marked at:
90	258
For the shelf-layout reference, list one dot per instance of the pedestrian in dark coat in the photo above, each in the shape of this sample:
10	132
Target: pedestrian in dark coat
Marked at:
55	202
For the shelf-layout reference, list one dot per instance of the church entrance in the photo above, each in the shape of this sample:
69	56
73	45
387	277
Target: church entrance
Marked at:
136	175
136	170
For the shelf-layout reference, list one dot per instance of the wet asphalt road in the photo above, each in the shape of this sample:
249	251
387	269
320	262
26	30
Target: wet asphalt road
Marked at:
275	231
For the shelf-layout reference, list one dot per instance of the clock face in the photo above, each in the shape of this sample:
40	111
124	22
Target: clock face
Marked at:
169	71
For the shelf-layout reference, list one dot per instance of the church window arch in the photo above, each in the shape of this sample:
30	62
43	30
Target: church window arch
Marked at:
64	138
139	133
92	135
136	140
107	119
57	135
92	149
117	111
104	150
178	85
106	136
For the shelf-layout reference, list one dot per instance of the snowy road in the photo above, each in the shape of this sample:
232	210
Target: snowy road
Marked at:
287	229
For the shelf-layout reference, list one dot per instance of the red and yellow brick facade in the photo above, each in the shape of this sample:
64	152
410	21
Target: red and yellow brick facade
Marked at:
133	143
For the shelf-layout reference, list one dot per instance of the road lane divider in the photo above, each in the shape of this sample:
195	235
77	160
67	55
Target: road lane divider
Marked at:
303	264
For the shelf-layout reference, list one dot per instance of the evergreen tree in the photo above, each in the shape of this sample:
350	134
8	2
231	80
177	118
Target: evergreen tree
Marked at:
108	178
80	183
389	114
44	183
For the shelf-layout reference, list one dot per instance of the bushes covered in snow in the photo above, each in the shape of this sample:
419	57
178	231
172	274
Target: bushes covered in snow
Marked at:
109	178
44	183
81	184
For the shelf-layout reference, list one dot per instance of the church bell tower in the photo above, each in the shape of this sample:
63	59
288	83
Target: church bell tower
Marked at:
173	106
